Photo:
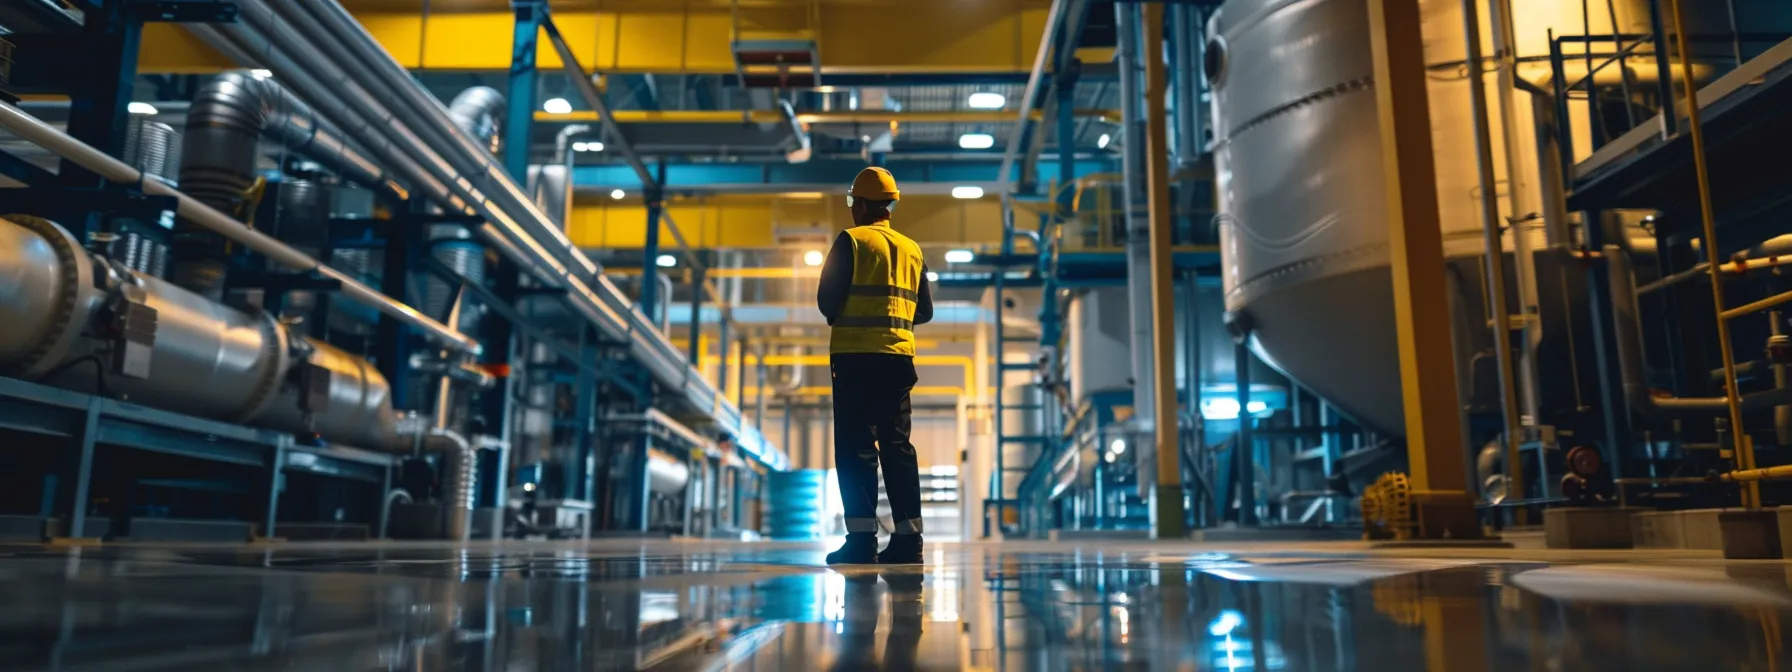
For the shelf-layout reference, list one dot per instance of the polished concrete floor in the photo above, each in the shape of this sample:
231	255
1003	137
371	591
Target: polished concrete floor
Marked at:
1015	606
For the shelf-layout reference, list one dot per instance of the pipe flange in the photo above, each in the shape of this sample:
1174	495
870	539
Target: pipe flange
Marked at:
76	277
275	351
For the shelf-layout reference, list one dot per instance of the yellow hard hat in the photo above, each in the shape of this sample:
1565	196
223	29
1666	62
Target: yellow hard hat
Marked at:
875	184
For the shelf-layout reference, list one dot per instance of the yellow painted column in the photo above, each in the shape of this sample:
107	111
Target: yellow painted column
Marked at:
1166	513
1435	444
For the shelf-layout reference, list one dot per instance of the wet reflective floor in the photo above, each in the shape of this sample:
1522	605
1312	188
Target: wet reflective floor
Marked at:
1031	606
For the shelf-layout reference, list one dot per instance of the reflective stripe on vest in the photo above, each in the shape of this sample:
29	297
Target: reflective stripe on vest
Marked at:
880	305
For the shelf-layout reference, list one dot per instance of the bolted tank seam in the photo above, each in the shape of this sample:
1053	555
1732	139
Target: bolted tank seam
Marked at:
65	309
271	345
1292	268
1333	91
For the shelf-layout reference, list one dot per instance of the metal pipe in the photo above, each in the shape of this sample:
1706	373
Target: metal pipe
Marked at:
1551	183
460	474
1524	260
1137	208
1490	236
1745	450
1628	339
1782	415
221	145
43	135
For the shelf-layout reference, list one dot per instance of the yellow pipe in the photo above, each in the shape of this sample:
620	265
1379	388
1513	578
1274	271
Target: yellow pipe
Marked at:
772	116
1745	450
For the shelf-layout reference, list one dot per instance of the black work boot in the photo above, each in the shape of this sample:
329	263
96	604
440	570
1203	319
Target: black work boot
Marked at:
904	549
860	549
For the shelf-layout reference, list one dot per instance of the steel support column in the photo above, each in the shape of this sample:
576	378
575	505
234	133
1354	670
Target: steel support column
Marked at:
696	351
520	117
1436	447
1244	446
98	107
1166	500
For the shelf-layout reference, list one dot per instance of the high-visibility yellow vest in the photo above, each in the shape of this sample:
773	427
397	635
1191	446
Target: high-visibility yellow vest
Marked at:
886	282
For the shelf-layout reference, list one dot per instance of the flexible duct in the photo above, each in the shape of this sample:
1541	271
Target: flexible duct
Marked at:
459	477
222	141
205	359
477	112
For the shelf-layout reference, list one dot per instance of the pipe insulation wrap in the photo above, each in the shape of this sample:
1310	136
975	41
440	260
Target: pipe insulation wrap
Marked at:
207	359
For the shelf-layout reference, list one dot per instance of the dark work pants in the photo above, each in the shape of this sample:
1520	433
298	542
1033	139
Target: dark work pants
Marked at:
871	426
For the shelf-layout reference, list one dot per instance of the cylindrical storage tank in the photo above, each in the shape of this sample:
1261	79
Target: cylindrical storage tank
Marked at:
794	504
1303	224
1099	343
357	404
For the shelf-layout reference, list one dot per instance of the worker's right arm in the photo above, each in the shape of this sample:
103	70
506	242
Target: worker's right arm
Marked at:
836	279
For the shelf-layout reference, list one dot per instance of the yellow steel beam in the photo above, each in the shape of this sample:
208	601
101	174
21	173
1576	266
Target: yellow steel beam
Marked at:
679	36
1435	443
1167	520
753	221
837	117
825	391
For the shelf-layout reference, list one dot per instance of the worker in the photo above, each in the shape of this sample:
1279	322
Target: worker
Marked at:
873	292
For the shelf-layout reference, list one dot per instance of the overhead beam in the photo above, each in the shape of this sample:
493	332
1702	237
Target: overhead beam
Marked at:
821	175
836	117
948	37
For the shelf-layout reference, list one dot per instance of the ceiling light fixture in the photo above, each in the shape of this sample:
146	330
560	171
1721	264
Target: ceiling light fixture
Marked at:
1102	142
959	256
556	106
976	141
666	261
141	108
617	194
987	101
813	258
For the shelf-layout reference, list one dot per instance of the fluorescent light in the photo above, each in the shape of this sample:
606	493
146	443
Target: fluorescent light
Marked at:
260	73
959	256
813	258
556	106
987	101
617	194
578	147
933	277
967	192
593	147
1102	142
666	261
1256	407
141	108
976	141
1219	408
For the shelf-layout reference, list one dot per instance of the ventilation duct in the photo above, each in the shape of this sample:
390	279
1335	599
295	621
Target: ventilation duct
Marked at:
478	111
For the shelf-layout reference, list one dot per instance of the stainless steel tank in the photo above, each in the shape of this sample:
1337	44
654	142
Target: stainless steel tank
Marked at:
1303	226
1098	343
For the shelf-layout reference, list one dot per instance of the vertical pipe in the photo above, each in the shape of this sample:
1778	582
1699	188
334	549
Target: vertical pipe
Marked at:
1745	449
1244	448
1664	73
1496	254
1138	215
1500	16
1167	506
696	353
1782	415
650	254
1434	436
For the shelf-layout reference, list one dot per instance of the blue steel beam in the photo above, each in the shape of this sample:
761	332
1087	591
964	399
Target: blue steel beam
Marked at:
697	176
519	118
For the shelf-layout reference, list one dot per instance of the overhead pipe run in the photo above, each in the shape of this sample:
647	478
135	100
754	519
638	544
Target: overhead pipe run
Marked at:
43	135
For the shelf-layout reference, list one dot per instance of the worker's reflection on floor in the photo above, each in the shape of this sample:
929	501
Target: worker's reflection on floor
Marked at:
866	600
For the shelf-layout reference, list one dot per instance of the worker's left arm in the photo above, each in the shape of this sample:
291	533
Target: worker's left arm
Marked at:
924	300
836	279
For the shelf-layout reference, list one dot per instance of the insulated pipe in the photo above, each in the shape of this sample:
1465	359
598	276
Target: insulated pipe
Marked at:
1138	216
206	359
43	135
222	140
1490	236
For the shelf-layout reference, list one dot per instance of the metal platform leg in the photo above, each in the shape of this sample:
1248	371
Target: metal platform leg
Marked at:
90	429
